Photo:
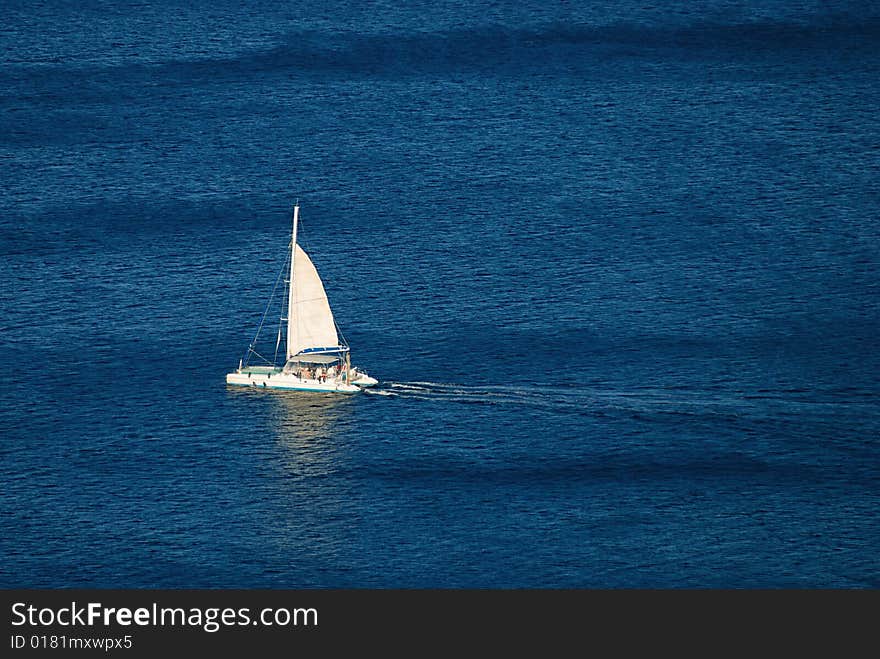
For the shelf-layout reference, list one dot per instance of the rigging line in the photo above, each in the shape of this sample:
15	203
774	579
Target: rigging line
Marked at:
288	282
265	312
259	355
302	239
339	331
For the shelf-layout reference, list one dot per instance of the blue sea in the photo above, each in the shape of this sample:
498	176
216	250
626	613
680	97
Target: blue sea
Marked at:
615	265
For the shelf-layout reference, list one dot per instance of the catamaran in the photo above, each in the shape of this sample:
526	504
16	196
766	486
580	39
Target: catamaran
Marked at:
318	357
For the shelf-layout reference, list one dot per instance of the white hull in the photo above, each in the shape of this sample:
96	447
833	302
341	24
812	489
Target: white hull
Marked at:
289	381
363	381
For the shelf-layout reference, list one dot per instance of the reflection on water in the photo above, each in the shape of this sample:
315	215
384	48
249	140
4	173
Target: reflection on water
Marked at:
310	512
303	507
311	429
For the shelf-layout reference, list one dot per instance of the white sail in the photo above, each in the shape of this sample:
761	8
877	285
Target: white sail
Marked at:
310	320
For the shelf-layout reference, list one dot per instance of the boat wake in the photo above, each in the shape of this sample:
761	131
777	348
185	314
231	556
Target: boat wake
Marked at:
525	394
589	399
378	392
531	395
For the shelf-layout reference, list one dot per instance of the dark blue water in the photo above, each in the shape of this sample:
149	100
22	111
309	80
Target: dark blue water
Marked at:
615	267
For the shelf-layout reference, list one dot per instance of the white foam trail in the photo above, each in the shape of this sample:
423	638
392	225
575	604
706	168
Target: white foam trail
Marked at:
569	396
454	387
529	390
480	394
435	385
399	385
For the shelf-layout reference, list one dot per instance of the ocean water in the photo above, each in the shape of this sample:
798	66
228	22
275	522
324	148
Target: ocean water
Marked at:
615	266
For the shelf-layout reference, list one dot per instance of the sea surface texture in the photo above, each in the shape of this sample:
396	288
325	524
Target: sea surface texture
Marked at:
615	265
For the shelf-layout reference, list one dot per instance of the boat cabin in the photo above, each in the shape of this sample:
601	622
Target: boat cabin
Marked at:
312	367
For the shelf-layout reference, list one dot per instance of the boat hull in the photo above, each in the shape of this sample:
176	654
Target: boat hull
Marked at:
276	380
365	381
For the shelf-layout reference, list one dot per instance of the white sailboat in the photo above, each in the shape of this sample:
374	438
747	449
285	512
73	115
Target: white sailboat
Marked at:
317	356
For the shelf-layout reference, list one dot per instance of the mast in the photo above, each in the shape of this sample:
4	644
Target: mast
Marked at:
291	295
